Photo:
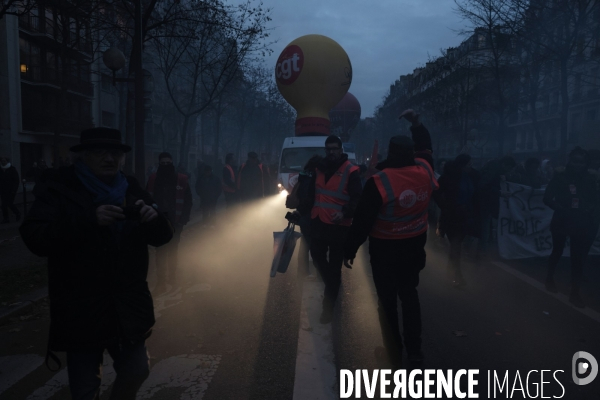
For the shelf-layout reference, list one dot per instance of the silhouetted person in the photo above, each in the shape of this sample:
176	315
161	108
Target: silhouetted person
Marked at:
172	193
251	179
9	185
97	263
532	176
229	186
209	189
573	195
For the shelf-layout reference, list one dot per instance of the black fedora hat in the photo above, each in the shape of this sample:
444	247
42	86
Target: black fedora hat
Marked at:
100	138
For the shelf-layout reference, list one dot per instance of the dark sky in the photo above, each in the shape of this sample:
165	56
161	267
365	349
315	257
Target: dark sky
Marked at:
383	38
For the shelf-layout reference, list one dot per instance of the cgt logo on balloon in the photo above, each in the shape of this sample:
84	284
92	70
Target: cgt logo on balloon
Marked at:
289	65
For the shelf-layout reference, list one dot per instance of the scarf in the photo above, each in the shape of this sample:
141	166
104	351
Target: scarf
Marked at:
113	194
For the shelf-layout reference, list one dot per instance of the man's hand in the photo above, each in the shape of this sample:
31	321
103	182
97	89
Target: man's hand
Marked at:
348	262
147	213
337	217
107	215
411	116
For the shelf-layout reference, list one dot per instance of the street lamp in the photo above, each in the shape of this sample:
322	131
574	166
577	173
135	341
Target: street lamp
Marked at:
114	59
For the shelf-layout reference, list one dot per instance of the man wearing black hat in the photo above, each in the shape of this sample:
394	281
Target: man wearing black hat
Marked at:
332	197
251	179
171	191
392	212
95	224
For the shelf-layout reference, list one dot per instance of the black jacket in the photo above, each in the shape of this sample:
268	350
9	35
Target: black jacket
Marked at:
209	188
9	181
96	275
567	190
459	207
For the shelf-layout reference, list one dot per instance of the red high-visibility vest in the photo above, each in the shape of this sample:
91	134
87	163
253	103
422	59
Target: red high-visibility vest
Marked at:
262	178
406	193
226	188
182	184
332	196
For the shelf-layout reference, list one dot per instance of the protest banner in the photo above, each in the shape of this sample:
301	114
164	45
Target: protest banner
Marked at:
524	224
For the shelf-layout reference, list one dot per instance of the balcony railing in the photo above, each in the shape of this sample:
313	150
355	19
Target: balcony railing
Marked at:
52	76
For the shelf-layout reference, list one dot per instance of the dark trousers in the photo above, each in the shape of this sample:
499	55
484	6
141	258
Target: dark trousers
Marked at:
7	203
208	211
167	258
579	247
456	238
131	364
396	265
230	199
330	269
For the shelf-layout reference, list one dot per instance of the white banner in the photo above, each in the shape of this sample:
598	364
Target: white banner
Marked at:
524	224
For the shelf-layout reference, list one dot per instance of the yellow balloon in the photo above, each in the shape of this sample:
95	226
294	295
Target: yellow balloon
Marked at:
313	74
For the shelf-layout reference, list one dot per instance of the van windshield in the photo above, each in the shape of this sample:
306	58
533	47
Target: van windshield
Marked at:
294	159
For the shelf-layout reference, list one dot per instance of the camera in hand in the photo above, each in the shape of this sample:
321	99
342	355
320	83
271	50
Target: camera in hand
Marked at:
132	212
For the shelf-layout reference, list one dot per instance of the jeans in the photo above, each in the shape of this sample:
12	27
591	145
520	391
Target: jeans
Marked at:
396	266
131	364
330	269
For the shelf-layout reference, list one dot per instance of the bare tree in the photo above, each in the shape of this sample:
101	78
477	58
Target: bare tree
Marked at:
16	7
199	64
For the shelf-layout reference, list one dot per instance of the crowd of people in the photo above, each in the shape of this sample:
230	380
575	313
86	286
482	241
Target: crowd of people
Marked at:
90	213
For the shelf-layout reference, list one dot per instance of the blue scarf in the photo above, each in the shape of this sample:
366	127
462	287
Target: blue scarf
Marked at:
113	194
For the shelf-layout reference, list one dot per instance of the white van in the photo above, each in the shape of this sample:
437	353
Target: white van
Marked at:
295	153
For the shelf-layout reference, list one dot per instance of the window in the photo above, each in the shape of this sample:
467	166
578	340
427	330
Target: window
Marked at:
108	119
294	159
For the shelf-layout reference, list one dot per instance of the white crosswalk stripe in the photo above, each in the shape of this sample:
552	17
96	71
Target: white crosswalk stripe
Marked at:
15	367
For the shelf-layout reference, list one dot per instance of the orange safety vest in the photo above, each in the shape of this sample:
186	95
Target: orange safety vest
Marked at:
332	196
262	178
226	188
182	184
406	193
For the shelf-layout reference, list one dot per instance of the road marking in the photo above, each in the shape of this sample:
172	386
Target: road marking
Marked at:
16	367
315	376
193	372
558	296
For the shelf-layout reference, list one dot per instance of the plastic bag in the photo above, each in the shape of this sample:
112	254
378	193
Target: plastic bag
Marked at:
284	244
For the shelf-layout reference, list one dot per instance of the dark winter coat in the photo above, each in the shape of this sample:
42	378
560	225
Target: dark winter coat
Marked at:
96	277
9	181
574	199
209	188
252	181
489	188
458	201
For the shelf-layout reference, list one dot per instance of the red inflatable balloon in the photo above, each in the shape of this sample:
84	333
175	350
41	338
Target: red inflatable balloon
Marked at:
345	116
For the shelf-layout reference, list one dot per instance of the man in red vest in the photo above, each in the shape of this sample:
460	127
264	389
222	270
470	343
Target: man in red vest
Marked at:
332	197
229	186
171	192
392	212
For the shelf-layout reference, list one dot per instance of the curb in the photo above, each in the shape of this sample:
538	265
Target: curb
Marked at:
23	305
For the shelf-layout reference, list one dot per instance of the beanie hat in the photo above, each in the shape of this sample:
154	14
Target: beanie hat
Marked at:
164	154
400	144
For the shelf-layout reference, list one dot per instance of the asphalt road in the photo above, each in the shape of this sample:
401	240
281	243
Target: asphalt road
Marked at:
229	331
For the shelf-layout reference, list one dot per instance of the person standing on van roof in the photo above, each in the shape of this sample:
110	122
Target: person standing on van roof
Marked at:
251	179
332	197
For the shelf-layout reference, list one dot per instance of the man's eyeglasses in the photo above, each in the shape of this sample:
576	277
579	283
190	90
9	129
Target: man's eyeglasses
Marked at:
166	163
332	149
102	153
